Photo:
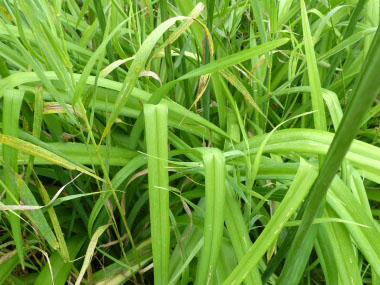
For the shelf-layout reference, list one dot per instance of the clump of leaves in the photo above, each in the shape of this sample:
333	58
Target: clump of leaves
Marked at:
177	142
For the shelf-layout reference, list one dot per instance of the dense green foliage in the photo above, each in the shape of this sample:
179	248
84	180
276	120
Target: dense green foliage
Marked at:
189	142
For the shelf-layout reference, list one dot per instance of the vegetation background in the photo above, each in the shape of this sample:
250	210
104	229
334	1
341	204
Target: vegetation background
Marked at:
189	142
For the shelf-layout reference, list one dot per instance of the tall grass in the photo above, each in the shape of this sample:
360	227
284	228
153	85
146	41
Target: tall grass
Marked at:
189	142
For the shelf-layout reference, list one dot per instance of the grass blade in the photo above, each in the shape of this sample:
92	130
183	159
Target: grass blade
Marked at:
315	83
90	252
37	151
157	148
214	164
11	112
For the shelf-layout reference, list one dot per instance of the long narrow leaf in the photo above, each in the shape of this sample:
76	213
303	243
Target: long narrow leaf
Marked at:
157	147
214	164
11	112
